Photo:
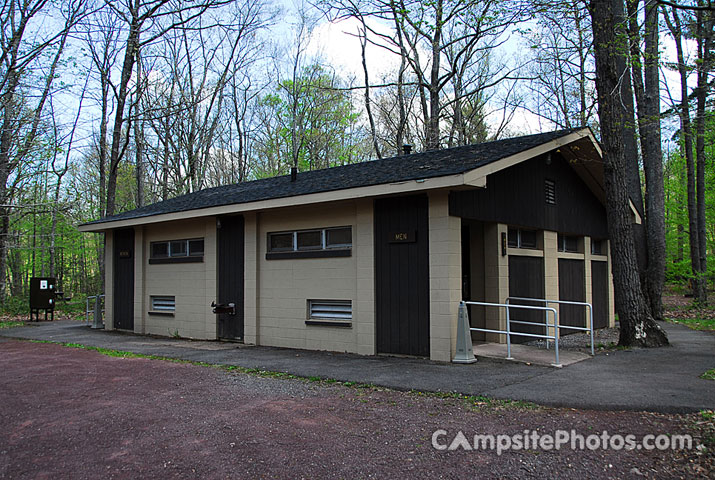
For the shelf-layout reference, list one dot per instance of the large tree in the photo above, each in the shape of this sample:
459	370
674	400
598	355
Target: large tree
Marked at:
32	47
644	67
145	21
560	73
444	46
699	26
637	326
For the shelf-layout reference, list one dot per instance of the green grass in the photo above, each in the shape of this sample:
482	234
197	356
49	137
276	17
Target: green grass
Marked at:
17	306
610	346
10	324
709	375
472	401
703	324
480	401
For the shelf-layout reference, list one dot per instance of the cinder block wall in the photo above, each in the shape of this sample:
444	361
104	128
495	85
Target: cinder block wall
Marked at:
445	253
284	286
192	284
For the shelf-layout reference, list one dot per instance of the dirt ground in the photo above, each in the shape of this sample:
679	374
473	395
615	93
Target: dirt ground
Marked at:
72	413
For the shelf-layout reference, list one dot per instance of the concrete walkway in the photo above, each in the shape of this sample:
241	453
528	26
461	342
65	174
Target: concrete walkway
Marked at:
660	380
529	354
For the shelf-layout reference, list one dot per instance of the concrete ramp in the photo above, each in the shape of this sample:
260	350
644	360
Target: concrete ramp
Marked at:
528	354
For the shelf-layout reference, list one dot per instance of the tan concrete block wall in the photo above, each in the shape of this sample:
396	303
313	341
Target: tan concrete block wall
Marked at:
284	286
551	273
210	277
364	251
588	276
192	284
445	276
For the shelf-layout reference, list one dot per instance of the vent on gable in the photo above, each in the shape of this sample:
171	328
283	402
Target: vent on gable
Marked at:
550	191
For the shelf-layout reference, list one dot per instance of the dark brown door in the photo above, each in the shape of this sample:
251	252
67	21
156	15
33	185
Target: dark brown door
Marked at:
572	287
123	291
599	279
526	279
402	275
230	276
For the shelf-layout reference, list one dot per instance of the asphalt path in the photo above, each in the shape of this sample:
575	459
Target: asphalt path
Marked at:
663	380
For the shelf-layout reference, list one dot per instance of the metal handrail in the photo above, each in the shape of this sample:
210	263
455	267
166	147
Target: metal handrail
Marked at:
97	298
508	331
564	302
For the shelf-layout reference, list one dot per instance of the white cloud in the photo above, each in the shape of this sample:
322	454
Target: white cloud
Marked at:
339	45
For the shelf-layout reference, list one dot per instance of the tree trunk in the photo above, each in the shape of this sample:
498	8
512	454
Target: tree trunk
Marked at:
139	137
637	326
675	28
630	143
401	127
648	101
115	154
16	266
103	146
433	133
368	106
704	41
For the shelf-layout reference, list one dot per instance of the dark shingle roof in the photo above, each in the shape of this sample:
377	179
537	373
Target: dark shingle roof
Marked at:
438	163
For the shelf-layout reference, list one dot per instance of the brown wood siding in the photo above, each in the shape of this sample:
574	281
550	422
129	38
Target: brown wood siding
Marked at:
230	239
599	279
516	196
572	287
402	276
123	294
526	279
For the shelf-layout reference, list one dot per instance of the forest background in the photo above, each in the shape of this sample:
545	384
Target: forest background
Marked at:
106	106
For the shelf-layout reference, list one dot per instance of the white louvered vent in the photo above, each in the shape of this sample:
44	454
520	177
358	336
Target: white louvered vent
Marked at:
163	303
550	191
330	309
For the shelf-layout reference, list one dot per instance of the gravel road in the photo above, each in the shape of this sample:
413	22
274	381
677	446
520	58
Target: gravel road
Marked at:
73	413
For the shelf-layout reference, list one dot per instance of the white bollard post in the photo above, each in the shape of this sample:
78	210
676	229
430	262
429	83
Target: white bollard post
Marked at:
465	350
97	323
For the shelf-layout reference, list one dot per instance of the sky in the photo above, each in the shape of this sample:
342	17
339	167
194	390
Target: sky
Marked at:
336	43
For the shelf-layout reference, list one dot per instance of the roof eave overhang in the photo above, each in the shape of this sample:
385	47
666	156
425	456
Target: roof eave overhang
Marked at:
308	199
469	179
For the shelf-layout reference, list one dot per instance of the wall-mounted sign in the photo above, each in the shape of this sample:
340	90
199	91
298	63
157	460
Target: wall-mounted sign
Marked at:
403	236
125	254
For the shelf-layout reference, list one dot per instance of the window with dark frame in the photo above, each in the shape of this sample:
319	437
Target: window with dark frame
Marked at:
280	242
339	237
160	250
313	240
513	238
596	247
177	249
522	238
309	240
568	243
